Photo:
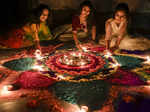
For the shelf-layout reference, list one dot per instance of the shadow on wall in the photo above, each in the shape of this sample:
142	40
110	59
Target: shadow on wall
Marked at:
140	22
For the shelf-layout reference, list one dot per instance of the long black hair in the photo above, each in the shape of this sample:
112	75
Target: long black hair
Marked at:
122	7
91	16
35	14
87	3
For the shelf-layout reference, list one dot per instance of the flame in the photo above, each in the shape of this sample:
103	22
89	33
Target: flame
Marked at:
60	77
83	109
73	54
85	49
147	58
114	65
108	54
5	90
38	67
82	63
79	55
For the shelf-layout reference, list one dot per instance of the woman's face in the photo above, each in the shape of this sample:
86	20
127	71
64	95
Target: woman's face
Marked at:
44	15
120	16
85	11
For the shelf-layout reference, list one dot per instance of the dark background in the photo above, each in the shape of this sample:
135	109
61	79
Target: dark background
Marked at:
14	12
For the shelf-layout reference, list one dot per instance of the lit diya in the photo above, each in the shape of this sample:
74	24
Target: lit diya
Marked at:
75	63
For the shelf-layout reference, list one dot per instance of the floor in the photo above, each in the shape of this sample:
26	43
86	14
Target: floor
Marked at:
137	98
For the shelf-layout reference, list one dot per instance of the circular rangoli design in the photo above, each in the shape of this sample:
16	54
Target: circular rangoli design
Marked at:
75	63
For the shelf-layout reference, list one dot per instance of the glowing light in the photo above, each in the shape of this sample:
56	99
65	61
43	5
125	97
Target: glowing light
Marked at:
69	62
147	60
84	109
82	63
79	55
85	49
114	65
65	56
108	54
5	90
38	67
73	54
38	54
60	77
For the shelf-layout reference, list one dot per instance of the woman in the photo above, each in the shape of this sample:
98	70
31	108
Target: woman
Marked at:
34	31
82	23
82	26
116	32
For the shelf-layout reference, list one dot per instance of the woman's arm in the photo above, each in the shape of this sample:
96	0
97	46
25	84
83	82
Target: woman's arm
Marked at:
123	28
93	32
108	34
122	32
75	26
77	42
35	35
35	32
47	31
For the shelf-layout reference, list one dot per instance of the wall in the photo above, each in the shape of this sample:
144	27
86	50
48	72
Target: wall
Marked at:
140	10
100	5
16	10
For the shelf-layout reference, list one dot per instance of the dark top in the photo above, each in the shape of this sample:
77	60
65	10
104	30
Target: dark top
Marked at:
77	26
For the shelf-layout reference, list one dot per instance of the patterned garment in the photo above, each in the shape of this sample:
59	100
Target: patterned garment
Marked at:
44	32
128	42
80	28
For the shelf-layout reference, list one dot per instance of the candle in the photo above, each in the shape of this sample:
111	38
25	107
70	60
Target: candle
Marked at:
108	54
85	49
38	67
60	77
114	65
6	89
73	54
79	55
82	62
147	60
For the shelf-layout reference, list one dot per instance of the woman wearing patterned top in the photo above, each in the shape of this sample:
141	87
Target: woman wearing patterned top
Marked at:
116	32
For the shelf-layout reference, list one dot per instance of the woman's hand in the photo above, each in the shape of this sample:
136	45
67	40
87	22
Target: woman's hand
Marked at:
108	34
77	42
78	45
124	20
123	26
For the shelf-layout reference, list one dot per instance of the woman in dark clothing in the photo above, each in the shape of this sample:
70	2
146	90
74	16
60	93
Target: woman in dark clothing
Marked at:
83	21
